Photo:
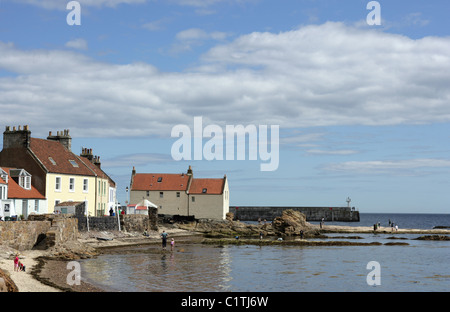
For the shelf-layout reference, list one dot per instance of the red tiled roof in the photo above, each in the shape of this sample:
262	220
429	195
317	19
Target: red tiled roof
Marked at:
168	182
44	149
100	173
16	191
2	181
211	186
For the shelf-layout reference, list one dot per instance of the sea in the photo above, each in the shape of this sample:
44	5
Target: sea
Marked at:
417	266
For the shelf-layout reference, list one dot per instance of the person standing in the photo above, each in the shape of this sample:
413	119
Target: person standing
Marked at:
164	240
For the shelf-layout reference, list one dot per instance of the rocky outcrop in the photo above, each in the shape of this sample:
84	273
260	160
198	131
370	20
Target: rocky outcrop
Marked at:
291	223
6	283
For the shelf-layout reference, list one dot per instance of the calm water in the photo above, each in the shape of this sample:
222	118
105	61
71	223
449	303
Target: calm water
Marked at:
420	266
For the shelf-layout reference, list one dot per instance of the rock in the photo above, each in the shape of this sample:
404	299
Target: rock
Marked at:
291	223
7	283
433	237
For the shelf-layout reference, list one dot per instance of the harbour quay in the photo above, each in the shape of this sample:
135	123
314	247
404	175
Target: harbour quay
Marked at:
255	213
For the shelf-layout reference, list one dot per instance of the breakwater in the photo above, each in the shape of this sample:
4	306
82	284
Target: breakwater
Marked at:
253	213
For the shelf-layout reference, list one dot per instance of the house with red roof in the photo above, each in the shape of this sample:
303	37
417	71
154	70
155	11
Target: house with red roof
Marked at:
18	197
57	173
182	194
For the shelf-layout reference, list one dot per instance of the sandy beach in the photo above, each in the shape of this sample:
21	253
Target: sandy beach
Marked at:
47	274
25	280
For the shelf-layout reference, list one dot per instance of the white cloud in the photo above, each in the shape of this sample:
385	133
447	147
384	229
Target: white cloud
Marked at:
409	166
320	75
331	152
61	5
187	39
78	44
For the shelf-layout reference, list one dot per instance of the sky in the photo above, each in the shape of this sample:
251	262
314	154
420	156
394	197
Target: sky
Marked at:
363	110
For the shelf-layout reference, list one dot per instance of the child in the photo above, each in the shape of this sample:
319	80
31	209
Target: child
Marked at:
16	263
172	244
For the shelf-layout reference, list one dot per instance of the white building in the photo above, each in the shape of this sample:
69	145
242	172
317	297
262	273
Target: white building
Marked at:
182	194
18	197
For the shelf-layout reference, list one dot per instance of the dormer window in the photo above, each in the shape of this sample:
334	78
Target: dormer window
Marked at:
3	175
22	177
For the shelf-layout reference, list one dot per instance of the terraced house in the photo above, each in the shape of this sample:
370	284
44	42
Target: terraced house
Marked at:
182	194
57	173
18	197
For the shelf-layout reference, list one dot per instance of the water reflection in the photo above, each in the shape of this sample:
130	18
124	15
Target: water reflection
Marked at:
191	268
422	266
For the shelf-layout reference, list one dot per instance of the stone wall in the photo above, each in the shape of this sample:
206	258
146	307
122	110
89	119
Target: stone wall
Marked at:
128	223
22	235
135	223
104	223
40	231
344	214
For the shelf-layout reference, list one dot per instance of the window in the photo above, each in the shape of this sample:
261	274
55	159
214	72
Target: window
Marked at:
161	194
2	191
204	190
58	184
25	181
85	185
178	194
148	193
52	161
36	205
193	199
160	179
72	185
74	163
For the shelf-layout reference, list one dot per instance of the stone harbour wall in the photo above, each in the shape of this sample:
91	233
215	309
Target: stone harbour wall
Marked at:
22	235
250	213
40	231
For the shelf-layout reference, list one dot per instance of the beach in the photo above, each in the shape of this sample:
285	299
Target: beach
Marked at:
47	273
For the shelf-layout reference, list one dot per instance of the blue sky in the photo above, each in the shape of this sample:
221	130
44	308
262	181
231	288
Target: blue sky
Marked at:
363	110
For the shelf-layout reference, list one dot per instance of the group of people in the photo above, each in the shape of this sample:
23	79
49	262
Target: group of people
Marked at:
164	236
393	225
18	266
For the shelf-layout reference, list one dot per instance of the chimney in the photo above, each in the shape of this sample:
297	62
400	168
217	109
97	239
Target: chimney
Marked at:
96	161
189	172
87	153
16	138
62	137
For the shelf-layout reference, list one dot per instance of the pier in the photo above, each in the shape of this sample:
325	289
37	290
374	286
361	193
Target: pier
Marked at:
337	214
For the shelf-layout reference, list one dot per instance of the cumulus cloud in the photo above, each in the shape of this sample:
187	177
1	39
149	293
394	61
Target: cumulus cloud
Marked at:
321	75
